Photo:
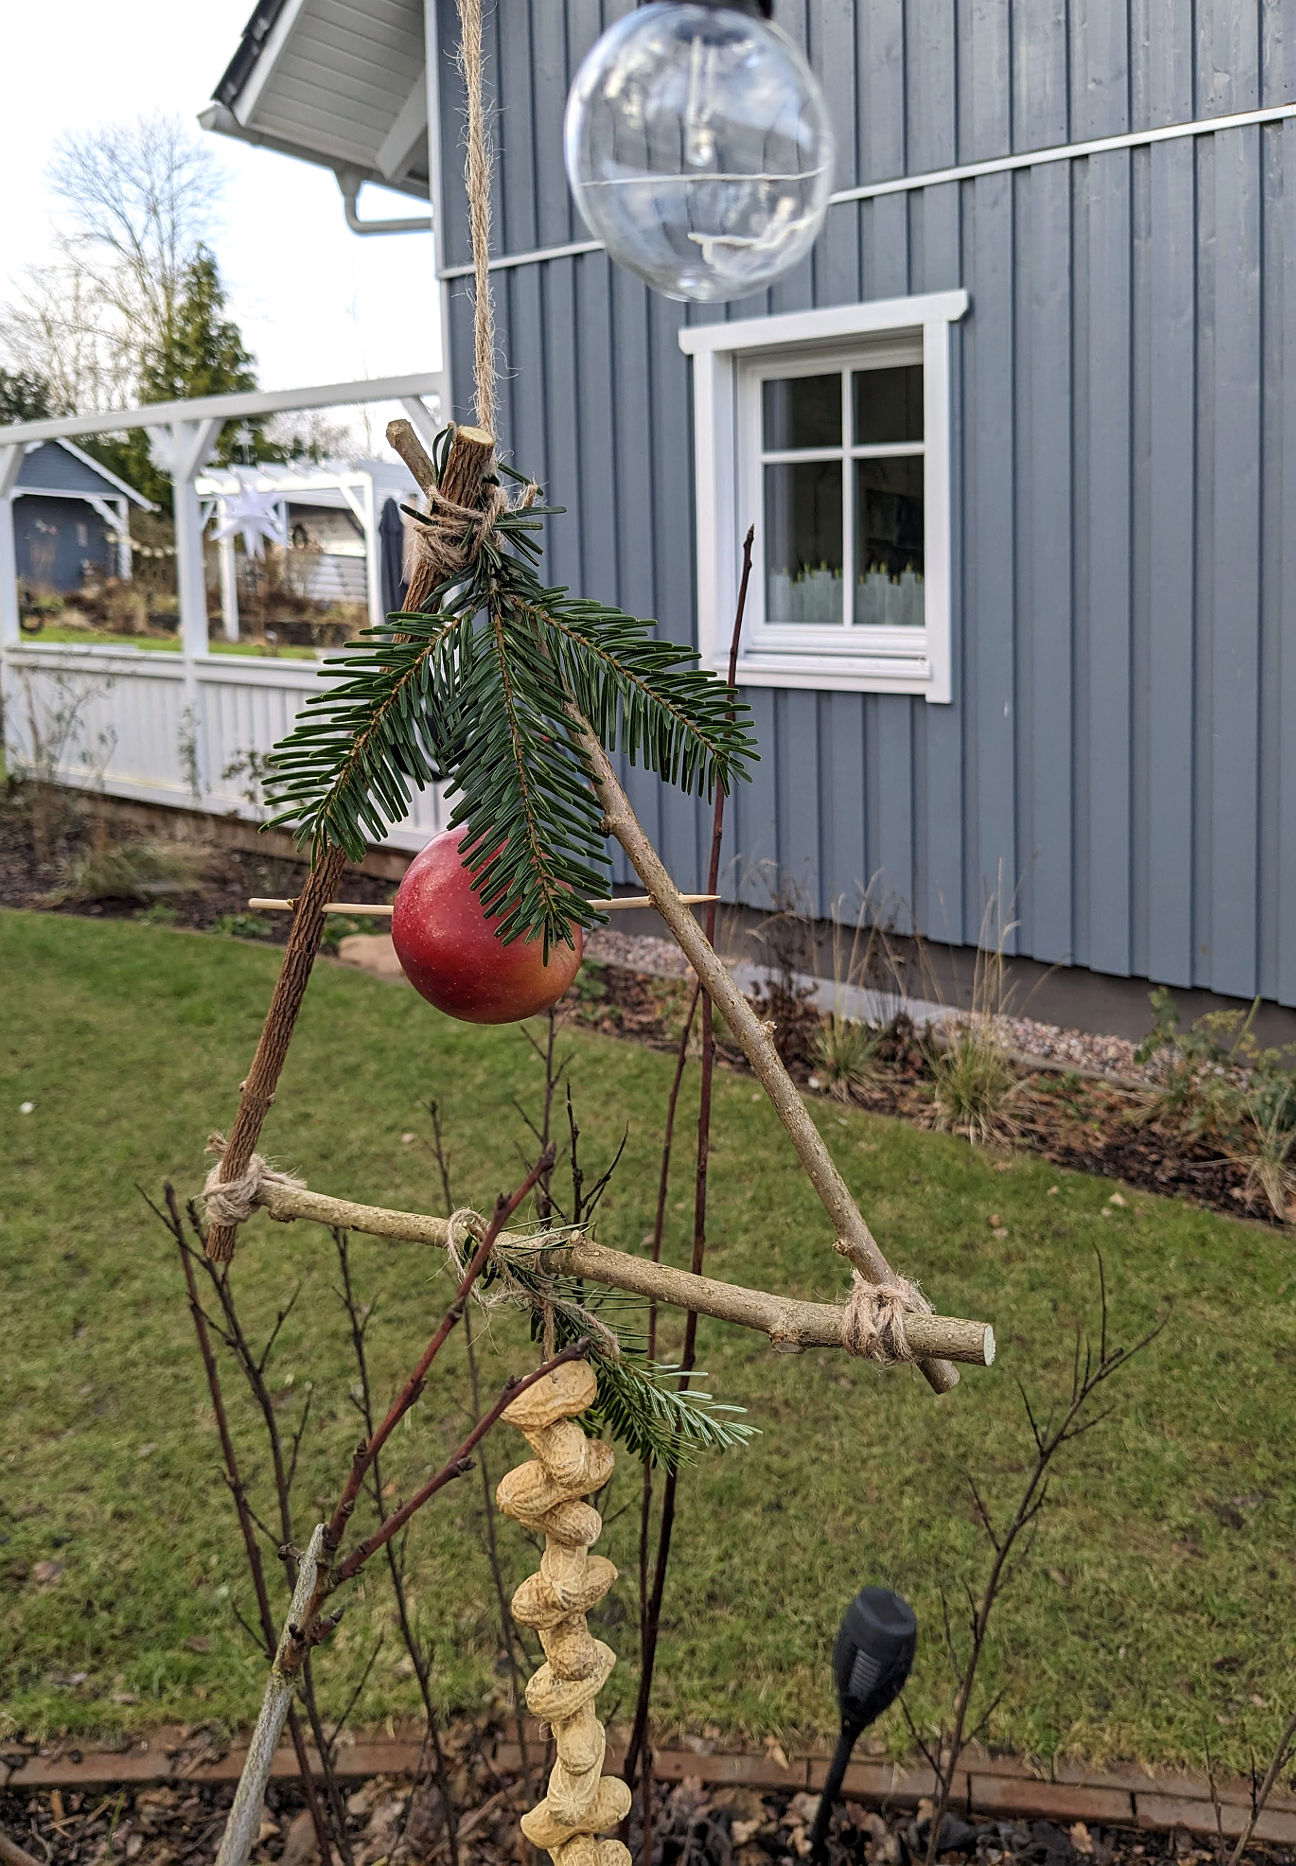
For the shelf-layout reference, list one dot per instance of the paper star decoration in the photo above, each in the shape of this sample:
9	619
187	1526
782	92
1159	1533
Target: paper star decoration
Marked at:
255	516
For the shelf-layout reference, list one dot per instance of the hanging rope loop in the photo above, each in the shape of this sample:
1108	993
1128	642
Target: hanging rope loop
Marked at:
465	1229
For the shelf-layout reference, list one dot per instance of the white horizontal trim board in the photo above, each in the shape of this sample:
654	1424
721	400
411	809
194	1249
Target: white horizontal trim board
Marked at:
935	178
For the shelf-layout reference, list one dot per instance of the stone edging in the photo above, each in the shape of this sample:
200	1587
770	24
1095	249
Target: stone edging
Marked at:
1124	1796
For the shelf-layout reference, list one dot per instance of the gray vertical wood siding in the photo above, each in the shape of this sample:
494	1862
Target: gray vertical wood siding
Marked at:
1120	755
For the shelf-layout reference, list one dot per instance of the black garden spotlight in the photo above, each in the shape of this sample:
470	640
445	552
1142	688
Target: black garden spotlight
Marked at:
871	1661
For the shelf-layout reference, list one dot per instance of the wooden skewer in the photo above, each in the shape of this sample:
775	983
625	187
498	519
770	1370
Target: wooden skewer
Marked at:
377	911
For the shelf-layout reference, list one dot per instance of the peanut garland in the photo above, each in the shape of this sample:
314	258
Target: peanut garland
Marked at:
546	1496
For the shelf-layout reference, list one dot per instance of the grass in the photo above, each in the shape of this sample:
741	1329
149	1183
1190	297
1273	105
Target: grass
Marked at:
169	644
1157	1605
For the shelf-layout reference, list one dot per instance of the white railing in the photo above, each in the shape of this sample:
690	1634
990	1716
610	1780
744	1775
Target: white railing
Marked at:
160	727
181	728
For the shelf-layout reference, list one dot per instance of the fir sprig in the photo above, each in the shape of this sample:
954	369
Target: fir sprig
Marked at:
641	1402
479	693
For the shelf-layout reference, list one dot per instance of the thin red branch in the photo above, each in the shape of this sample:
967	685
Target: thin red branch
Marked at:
238	1490
455	1466
505	1206
639	1734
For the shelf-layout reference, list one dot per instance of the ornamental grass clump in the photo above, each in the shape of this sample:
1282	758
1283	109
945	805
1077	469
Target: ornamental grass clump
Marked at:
846	1055
975	1082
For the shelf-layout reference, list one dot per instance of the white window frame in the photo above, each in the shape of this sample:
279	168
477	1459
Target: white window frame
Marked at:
729	362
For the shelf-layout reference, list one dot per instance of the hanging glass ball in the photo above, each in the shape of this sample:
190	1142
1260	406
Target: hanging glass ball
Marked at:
699	149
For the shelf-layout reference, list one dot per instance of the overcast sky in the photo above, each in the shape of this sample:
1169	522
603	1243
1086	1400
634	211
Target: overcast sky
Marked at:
316	302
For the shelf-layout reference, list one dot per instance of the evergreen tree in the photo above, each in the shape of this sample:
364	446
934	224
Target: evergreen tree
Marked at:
24	396
199	351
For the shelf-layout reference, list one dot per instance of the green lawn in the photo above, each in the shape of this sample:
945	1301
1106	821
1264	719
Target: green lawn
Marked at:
1158	1604
168	644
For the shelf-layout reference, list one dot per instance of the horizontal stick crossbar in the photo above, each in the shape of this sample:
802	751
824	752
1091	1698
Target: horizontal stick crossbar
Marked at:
791	1325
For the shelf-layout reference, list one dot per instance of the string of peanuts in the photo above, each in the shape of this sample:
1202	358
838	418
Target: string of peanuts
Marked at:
546	1495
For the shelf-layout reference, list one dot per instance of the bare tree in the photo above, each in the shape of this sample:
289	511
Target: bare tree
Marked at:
139	201
56	329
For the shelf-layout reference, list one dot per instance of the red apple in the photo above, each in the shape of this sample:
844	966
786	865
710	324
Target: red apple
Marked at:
450	950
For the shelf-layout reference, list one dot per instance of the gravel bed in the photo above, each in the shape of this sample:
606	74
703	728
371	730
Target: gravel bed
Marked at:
1110	1056
637	952
1107	1056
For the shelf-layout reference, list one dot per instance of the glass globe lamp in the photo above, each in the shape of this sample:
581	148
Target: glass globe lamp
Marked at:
699	149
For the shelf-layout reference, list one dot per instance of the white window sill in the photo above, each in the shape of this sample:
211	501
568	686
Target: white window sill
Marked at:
835	673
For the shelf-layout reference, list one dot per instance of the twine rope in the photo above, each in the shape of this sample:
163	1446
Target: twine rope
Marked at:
873	1325
466	1226
233	1201
477	175
449	536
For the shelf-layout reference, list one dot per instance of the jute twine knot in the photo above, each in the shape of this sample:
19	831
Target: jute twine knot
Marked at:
874	1323
448	536
539	1293
233	1201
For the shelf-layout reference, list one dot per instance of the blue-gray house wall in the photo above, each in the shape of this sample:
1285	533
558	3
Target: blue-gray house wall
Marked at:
56	538
56	531
1120	753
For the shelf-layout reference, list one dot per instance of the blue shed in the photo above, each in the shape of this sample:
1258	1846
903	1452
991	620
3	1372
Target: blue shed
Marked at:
70	516
1059	663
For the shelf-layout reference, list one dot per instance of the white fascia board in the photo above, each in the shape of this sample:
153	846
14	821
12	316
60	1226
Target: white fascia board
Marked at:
224	407
219	120
432	68
272	48
96	466
850	320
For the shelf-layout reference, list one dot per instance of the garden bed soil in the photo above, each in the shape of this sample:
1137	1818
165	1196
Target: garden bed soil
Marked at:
695	1824
1072	1120
1076	1120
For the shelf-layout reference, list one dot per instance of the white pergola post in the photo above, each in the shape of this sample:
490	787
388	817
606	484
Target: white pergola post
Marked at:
123	539
373	555
191	443
228	583
11	459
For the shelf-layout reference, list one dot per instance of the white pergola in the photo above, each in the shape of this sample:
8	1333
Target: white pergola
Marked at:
360	487
194	429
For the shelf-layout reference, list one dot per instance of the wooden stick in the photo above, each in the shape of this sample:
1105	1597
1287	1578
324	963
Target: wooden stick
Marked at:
468	460
11	1854
375	910
790	1325
258	1089
753	1036
294	1642
468	465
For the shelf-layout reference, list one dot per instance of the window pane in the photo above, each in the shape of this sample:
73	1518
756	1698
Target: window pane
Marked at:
803	411
888	405
803	542
889	543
